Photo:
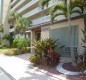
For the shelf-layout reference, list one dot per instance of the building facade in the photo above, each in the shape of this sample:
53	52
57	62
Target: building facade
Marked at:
42	27
4	13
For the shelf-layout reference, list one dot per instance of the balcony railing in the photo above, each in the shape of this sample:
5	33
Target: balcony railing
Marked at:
19	3
41	20
38	9
13	2
27	5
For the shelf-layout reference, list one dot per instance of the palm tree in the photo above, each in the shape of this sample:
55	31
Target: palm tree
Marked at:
22	24
81	4
44	3
13	16
63	9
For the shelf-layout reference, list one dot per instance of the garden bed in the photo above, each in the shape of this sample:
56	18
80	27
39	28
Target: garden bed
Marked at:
53	70
70	67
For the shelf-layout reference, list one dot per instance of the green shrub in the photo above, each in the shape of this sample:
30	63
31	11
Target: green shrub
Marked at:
3	46
20	43
9	38
35	58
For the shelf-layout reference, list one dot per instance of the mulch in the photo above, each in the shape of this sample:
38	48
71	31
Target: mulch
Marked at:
68	66
52	69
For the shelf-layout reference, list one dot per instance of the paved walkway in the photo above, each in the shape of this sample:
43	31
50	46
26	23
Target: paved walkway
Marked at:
21	69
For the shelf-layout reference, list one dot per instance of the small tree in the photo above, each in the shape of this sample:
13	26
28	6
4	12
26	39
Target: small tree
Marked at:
13	18
22	25
20	43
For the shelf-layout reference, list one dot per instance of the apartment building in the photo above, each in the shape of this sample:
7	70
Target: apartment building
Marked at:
42	27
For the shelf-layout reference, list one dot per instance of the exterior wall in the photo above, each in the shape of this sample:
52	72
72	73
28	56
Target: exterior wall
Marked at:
6	10
78	22
45	32
1	10
32	39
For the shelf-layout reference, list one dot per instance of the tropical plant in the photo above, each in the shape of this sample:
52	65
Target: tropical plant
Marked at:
52	57
81	4
9	38
1	27
44	3
20	43
43	46
22	24
13	16
35	58
62	9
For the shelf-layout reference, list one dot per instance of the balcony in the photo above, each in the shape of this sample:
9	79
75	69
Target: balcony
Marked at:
38	9
27	5
13	1
18	4
41	20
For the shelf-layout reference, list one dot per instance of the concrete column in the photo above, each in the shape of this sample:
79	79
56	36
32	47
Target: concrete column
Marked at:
32	39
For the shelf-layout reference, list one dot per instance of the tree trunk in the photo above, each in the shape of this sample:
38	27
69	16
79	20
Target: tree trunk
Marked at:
71	32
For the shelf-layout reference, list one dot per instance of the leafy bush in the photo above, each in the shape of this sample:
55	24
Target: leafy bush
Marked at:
35	58
2	47
9	38
42	47
52	58
20	43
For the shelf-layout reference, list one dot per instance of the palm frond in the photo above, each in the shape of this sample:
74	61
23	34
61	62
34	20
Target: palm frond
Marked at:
44	3
55	15
77	11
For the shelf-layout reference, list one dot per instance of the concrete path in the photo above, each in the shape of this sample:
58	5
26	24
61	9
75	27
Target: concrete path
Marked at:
21	69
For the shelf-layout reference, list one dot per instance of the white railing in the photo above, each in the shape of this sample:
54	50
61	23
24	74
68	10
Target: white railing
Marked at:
38	9
19	3
13	2
41	20
27	5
